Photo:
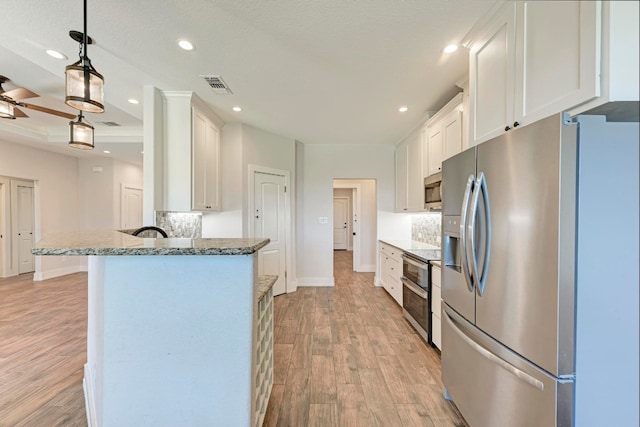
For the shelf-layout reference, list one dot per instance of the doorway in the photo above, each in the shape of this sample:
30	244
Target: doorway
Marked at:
341	222
361	222
131	207
17	226
269	213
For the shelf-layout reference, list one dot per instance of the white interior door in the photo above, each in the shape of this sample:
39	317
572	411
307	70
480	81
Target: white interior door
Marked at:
340	226
25	228
269	222
131	207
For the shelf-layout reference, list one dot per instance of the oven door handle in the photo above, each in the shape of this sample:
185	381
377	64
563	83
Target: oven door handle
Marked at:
415	263
414	288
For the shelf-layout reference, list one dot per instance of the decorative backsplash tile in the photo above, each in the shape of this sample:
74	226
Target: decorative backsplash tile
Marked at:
426	228
180	224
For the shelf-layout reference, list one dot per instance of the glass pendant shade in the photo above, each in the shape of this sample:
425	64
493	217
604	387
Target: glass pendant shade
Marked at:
80	134
6	110
77	75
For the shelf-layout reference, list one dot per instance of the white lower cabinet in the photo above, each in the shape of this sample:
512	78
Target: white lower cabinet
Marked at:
391	271
436	306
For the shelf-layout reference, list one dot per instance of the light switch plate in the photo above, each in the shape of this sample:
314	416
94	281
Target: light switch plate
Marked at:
323	220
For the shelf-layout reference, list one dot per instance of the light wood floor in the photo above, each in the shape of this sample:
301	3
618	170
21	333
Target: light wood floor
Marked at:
344	356
43	329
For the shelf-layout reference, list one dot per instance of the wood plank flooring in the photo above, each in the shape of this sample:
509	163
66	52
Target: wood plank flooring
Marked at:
43	329
343	356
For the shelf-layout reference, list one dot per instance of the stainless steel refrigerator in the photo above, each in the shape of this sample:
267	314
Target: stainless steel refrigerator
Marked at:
540	276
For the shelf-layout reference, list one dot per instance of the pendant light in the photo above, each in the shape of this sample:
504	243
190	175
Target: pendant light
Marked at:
80	134
84	85
6	110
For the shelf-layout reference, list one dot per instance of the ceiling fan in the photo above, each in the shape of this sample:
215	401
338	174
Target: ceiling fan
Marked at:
11	99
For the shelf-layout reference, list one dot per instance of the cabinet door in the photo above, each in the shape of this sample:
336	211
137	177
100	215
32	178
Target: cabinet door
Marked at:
205	184
452	134
435	149
491	78
415	177
555	57
401	177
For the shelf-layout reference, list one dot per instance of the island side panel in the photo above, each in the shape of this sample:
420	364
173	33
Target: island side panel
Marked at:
176	345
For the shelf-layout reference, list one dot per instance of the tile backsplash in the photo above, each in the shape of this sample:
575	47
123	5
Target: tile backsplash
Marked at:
180	224
426	228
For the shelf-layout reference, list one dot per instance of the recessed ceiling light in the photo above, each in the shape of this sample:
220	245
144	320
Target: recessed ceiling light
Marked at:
450	49
185	44
236	108
133	101
107	152
403	109
56	54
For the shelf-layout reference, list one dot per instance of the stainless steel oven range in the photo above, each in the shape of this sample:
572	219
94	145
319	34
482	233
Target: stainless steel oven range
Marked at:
416	295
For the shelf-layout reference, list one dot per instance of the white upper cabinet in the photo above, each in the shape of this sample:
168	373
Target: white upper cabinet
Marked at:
533	59
491	77
556	61
435	149
444	132
452	133
409	176
415	175
205	164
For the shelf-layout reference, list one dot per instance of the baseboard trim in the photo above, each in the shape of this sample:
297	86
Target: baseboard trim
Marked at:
315	281
89	398
50	274
367	268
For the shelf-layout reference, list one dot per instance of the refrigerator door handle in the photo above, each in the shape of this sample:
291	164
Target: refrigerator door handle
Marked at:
463	232
479	278
493	358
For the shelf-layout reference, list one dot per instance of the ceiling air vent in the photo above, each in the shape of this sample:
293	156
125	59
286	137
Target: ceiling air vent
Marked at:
217	84
112	124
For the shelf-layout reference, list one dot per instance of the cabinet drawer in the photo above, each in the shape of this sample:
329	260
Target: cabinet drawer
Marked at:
391	251
435	276
436	300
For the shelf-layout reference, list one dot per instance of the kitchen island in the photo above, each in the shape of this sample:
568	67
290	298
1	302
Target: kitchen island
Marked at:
179	330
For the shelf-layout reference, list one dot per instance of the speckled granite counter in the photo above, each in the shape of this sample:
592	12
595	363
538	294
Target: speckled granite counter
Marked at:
422	250
265	282
117	243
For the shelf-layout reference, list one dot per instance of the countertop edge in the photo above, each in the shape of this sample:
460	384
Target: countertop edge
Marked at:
114	243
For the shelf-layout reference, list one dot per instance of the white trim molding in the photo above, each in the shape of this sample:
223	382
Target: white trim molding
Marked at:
316	282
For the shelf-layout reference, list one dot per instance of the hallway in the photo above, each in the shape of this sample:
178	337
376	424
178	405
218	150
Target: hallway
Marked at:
345	356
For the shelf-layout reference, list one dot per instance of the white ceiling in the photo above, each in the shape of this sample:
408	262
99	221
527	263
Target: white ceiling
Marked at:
332	71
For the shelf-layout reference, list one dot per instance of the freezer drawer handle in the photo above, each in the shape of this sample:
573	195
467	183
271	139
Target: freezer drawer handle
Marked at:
493	358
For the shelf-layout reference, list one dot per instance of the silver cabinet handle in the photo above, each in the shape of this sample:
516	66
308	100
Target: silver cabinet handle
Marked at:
463	231
493	358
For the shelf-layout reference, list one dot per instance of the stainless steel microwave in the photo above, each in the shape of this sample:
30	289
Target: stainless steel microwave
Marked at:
432	193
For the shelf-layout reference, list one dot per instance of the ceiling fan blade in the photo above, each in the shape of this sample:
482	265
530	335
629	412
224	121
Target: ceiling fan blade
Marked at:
20	93
48	110
18	112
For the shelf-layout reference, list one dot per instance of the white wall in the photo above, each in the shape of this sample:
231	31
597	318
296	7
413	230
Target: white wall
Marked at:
241	146
56	193
320	165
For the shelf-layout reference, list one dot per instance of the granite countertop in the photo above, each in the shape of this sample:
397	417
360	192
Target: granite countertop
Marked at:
117	243
421	250
437	263
265	282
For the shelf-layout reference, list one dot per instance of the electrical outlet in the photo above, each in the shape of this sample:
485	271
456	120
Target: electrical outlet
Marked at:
64	258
